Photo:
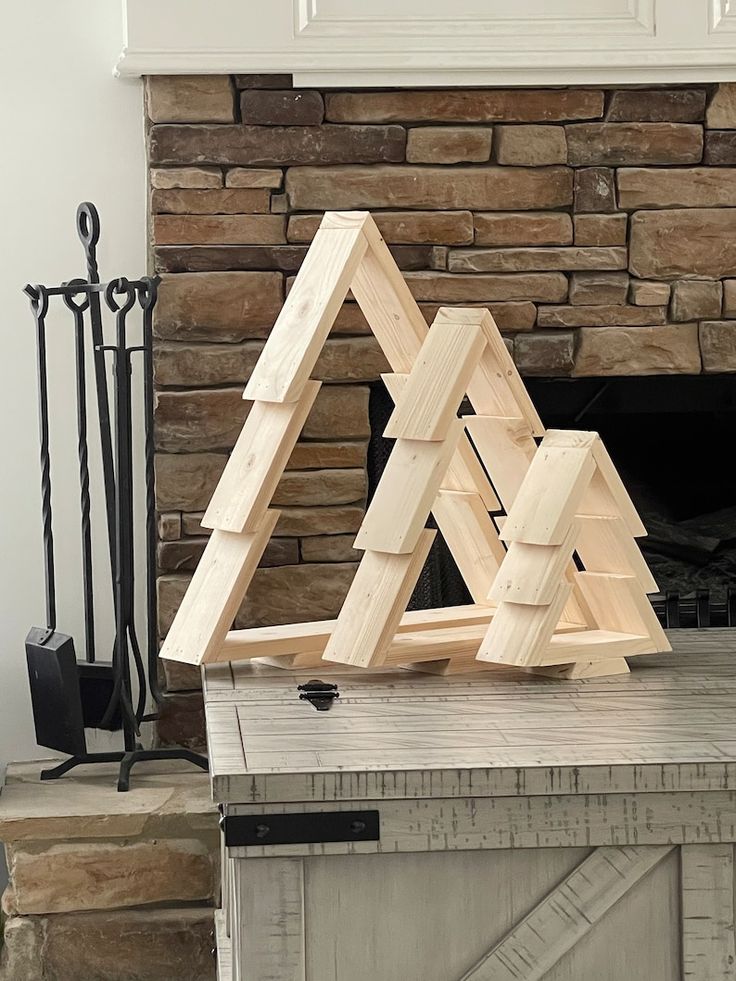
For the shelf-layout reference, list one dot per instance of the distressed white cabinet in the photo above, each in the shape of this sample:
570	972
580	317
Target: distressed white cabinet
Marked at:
493	827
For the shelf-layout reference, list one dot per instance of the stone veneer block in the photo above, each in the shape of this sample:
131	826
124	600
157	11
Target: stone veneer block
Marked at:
265	146
449	145
588	288
181	364
479	188
400	227
601	315
532	146
185	481
197	177
729	297
545	353
721	113
184	555
512	316
294	522
696	299
720	147
688	243
513	228
460	289
600	230
649	293
657	350
168	526
595	189
224	201
329	548
227	258
190	99
214	229
335	453
254	177
532	260
222	306
656	105
292	107
629	144
676	187
718	345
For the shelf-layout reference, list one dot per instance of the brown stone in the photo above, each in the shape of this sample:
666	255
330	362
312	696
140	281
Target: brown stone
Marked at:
720	147
688	243
199	365
297	521
21	950
458	289
600	315
339	411
449	145
224	201
508	316
180	677
595	189
197	177
265	146
228	258
530	146
181	719
290	107
183	555
729	297
83	875
329	548
656	106
305	488
627	144
294	593
649	293
721	113
351	359
477	188
665	350
509	228
223	306
168	526
337	453
465	105
218	229
600	230
263	81
207	419
530	260
185	481
676	187
590	288
400	227
253	177
279	204
549	353
718	345
189	99
696	299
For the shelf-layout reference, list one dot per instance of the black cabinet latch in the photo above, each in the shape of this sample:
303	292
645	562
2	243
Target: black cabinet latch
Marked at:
320	694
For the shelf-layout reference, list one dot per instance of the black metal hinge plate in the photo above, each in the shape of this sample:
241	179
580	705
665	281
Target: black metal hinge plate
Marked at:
300	829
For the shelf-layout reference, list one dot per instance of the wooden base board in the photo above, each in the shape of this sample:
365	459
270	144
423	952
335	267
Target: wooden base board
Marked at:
583	669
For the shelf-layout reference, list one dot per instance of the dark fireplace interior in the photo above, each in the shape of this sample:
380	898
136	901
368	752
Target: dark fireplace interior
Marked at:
671	438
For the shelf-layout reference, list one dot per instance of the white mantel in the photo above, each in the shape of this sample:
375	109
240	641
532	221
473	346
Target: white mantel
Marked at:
435	42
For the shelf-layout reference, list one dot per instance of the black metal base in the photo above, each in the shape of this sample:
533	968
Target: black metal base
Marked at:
127	760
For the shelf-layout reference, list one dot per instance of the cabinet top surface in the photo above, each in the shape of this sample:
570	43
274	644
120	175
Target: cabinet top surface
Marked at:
669	725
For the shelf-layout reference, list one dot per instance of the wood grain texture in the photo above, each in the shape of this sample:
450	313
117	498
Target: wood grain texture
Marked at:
519	633
605	544
532	573
472	539
708	946
618	603
506	447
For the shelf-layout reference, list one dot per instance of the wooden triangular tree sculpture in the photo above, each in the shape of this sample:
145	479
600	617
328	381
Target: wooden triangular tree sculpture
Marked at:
432	468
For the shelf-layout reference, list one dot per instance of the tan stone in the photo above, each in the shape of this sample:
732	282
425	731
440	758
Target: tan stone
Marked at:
718	345
21	950
531	146
348	359
696	299
465	105
290	107
721	113
509	228
224	201
676	187
478	188
197	365
663	350
588	288
550	353
336	453
189	99
340	411
400	227
440	287
531	260
729	298
184	555
687	243
293	593
197	177
600	315
449	145
600	230
304	488
199	419
629	144
514	316
107	875
279	204
253	177
168	526
218	229
595	190
185	481
296	521
223	306
649	293
329	548
657	105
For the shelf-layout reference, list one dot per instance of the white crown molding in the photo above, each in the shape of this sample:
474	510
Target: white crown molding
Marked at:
426	42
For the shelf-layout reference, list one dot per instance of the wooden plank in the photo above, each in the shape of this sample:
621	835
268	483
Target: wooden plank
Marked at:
436	385
308	313
708	945
583	669
257	462
565	915
594	646
216	591
619	603
610	476
375	602
532	573
405	494
440	642
472	539
507	448
605	544
518	633
552	490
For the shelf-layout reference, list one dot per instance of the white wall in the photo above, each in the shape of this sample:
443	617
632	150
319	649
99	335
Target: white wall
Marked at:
70	132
